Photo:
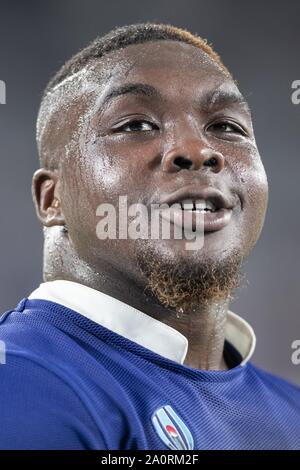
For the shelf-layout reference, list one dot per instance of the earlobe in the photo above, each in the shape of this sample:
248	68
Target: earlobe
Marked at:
46	198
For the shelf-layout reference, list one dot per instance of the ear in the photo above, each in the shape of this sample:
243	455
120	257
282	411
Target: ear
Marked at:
46	197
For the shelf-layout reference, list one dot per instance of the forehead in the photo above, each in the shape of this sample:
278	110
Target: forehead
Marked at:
183	75
162	54
171	66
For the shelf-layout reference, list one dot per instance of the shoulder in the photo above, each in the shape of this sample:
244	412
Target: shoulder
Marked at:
277	386
39	410
40	407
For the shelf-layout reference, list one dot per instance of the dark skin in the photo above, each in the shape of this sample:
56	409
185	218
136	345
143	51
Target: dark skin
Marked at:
200	115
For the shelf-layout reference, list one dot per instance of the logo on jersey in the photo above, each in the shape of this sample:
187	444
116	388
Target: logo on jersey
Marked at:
171	429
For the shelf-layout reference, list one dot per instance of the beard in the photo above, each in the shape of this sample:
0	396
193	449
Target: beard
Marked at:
182	283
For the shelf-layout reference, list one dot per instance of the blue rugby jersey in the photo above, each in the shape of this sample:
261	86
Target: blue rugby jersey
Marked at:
70	383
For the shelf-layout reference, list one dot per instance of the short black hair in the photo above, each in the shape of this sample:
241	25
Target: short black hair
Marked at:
123	36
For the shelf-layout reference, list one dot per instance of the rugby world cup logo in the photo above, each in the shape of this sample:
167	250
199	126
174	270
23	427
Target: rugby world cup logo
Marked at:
171	429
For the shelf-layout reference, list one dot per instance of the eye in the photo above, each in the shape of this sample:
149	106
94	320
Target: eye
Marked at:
226	127
136	125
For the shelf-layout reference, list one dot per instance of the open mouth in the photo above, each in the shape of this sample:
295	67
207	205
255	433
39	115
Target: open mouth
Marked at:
206	209
201	205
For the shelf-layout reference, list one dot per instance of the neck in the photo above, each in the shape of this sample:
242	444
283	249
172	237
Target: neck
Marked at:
203	326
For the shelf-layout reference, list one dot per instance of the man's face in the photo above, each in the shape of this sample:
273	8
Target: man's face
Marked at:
147	147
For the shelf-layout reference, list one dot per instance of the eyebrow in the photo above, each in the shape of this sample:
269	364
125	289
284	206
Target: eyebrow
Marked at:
133	88
221	98
213	99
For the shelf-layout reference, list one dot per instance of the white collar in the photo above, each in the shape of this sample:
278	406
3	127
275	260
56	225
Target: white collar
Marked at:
135	325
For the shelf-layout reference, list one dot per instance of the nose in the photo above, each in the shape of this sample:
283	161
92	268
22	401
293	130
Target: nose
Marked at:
194	156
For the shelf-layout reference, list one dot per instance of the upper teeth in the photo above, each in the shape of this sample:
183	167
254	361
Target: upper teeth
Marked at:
199	204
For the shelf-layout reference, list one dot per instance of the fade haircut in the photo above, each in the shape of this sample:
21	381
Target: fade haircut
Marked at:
116	39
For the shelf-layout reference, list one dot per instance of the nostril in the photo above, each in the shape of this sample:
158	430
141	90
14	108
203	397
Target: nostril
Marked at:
182	163
211	162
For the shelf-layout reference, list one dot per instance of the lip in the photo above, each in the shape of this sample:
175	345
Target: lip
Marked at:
194	220
209	221
208	192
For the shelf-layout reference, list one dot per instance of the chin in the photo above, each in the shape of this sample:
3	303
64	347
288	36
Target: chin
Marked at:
211	247
179	278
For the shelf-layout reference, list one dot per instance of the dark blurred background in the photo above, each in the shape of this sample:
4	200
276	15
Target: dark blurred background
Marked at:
259	42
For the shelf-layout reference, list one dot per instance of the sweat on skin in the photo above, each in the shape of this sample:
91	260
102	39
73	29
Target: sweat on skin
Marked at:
180	122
